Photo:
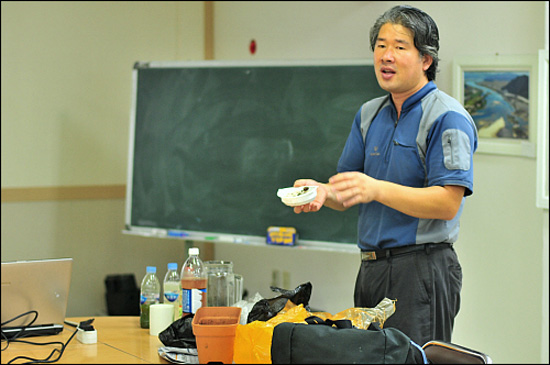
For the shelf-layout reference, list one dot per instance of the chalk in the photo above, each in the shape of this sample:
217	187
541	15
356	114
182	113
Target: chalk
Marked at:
211	238
240	240
158	232
177	234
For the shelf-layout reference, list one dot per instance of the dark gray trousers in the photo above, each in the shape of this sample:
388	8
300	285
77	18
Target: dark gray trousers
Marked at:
425	285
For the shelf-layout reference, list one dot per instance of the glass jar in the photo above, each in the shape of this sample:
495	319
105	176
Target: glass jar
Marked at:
221	283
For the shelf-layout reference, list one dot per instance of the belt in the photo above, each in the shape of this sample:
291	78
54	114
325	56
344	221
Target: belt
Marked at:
382	254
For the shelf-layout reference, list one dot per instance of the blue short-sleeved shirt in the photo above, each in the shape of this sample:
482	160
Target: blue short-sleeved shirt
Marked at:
432	144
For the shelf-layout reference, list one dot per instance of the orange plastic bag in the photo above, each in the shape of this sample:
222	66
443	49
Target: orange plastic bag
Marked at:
253	340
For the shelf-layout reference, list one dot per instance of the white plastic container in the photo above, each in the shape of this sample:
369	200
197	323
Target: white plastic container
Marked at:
297	196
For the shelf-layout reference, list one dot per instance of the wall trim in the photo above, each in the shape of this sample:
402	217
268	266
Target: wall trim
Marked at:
63	193
208	30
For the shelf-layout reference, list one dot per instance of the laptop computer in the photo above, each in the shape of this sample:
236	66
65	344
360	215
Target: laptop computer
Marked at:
35	285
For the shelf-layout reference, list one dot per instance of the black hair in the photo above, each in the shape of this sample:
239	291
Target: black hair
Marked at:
425	32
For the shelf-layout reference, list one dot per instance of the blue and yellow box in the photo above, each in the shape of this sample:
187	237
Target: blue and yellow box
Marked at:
285	236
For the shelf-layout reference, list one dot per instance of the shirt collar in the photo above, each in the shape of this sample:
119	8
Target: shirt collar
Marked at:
416	97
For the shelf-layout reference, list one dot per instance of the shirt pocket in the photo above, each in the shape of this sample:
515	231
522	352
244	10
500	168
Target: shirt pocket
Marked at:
456	149
405	163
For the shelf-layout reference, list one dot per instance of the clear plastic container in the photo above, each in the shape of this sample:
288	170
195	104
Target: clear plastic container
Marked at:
221	283
150	294
193	283
172	289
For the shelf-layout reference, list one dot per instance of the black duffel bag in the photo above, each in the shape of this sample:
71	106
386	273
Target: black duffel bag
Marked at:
337	342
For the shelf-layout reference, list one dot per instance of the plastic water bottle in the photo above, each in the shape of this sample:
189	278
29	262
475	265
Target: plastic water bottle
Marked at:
193	283
150	294
172	289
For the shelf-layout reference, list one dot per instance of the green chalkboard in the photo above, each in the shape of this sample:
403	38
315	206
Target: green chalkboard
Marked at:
211	142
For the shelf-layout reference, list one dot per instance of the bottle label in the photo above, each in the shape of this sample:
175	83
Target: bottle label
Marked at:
192	299
150	299
171	296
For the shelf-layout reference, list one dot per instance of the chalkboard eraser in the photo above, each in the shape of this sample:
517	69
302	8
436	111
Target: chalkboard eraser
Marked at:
141	64
284	236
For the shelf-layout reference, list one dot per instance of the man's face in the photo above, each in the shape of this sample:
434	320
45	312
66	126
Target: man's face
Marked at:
398	66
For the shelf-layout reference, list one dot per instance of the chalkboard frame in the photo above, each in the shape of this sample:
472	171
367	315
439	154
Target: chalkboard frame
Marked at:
214	235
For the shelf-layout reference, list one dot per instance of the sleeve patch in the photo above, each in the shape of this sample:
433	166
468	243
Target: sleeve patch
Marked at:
456	149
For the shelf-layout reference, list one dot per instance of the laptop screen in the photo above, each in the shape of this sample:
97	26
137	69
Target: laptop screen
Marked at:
35	285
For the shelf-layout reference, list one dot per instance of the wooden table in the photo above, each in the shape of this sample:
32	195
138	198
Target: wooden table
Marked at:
120	340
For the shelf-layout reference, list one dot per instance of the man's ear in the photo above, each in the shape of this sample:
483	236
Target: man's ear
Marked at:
427	61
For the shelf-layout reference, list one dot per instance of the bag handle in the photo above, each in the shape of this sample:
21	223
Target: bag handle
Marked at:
341	323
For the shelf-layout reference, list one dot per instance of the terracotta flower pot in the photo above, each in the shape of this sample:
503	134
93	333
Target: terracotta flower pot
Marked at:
214	329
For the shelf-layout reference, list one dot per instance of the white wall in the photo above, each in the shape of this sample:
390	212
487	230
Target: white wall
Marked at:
66	77
66	88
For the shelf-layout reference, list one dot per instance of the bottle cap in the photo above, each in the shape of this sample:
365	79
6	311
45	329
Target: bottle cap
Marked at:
173	266
194	251
152	269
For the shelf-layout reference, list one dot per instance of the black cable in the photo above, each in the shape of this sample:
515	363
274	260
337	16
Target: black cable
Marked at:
21	334
22	330
47	359
21	315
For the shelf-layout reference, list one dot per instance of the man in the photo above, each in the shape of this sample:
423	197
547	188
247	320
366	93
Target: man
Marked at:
408	164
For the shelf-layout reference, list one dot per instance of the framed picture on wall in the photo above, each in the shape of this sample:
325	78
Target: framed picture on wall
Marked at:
500	93
543	127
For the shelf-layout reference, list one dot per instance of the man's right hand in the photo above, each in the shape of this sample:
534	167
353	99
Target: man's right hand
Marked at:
317	204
